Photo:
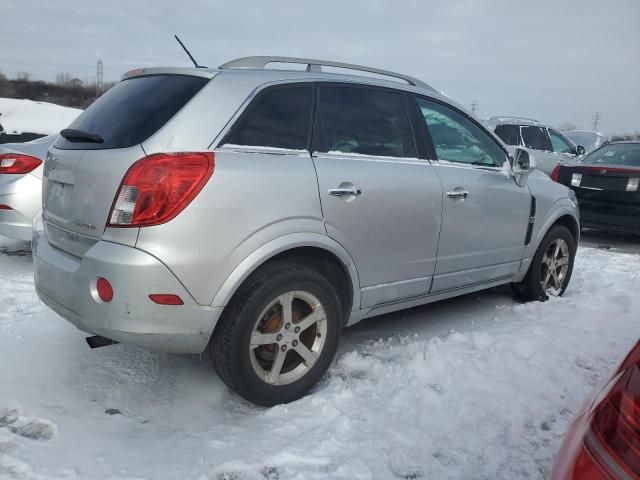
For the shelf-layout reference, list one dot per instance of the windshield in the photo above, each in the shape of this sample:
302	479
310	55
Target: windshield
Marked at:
627	154
589	140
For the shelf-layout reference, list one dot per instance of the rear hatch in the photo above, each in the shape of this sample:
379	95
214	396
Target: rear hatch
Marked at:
84	168
606	183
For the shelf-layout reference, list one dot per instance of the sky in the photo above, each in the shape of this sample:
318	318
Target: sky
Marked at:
557	61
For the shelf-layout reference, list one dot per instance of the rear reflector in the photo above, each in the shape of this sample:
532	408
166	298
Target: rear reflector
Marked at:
18	163
614	436
5	207
158	187
166	299
555	174
105	290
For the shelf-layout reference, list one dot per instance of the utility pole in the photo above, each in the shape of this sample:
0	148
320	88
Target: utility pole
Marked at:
99	79
474	107
596	120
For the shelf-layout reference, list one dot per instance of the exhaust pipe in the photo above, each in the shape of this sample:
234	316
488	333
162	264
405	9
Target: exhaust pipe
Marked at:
97	341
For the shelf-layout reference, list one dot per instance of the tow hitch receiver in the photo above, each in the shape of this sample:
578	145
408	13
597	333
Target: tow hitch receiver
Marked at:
97	341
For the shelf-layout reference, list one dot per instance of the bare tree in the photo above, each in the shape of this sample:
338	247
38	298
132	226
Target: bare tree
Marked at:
63	78
23	76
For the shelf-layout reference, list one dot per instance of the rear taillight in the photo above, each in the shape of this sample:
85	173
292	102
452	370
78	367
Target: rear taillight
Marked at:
555	174
158	187
18	163
614	436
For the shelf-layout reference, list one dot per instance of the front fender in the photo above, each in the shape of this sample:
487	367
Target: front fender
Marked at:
279	245
558	209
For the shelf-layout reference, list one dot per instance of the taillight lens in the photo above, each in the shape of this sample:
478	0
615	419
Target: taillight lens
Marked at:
614	436
158	187
555	174
18	163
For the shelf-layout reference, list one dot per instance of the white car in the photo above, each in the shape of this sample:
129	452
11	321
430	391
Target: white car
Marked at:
21	185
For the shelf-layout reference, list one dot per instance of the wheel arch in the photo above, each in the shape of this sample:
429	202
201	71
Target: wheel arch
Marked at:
562	212
316	250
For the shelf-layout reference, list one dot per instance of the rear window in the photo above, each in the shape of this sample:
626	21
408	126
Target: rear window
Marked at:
133	110
509	134
623	154
19	138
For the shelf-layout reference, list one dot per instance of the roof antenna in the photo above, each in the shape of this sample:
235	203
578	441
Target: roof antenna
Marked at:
188	53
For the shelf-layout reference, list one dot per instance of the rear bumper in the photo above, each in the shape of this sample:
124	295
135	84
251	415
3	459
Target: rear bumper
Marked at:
610	215
23	193
67	285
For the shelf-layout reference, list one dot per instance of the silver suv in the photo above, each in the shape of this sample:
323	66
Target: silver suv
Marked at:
549	146
252	213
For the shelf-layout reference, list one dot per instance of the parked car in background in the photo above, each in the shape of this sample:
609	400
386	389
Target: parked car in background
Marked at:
258	211
589	139
548	146
21	185
603	442
23	120
606	184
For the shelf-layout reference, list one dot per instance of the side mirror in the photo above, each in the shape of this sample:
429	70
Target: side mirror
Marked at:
523	165
580	150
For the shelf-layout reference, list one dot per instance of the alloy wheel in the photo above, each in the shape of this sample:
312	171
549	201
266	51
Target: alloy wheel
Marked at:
288	338
555	264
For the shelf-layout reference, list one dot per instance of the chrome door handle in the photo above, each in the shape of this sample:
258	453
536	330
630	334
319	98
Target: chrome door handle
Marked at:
341	192
458	194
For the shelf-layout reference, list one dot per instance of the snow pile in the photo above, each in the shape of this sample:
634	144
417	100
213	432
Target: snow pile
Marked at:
18	116
408	398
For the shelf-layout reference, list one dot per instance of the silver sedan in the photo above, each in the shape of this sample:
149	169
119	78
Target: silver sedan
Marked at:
21	185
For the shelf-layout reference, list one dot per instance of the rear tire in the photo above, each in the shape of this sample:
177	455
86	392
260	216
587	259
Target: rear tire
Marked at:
285	317
551	268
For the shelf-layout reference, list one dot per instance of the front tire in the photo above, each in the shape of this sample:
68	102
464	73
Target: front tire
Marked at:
551	267
279	334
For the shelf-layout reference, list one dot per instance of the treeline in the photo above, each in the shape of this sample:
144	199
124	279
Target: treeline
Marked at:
625	136
66	90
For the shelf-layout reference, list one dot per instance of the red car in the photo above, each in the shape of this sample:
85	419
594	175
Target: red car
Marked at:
603	442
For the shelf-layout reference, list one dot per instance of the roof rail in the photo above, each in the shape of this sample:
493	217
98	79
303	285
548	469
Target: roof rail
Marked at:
314	65
502	118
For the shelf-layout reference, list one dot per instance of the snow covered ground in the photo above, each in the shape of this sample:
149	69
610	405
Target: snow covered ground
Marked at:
473	388
21	115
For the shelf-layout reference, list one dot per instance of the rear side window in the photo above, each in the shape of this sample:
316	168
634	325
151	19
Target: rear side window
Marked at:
279	118
535	138
366	121
133	110
509	134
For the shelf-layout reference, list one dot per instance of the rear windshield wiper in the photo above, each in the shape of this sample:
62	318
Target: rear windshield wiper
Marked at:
72	134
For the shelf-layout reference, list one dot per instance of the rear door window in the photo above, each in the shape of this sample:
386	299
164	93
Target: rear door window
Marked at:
133	110
279	117
536	138
365	121
509	134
